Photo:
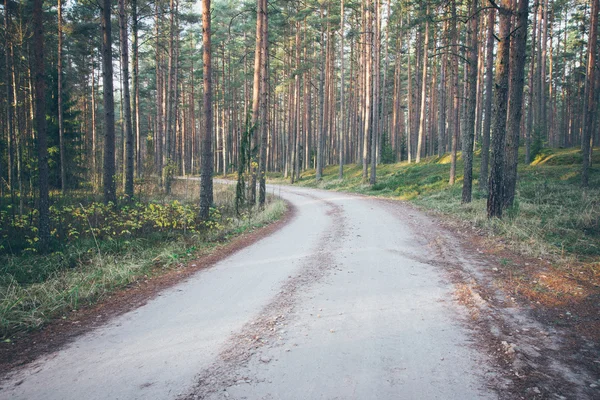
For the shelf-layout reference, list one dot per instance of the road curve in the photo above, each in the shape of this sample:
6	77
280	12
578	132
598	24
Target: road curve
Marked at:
341	303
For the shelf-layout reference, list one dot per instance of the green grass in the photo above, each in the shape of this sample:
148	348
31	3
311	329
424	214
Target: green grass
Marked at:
552	216
83	273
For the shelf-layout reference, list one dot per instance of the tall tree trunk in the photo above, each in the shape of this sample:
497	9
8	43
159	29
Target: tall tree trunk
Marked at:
110	192
264	93
496	185
296	119
543	73
158	133
94	135
341	138
169	103
530	111
256	97
455	96
487	122
40	125
517	66
136	87
61	131
368	79
422	117
9	121
376	94
471	103
206	174
590	95
442	121
126	101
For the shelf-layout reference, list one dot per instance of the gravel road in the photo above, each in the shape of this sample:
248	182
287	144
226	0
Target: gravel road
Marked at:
347	301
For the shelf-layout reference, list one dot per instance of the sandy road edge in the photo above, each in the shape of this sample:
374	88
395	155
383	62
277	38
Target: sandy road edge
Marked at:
29	346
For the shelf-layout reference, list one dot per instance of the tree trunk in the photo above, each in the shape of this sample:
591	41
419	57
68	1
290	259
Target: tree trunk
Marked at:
496	185
61	136
40	125
368	88
136	88
9	121
206	174
517	66
110	193
530	111
264	93
471	103
376	94
487	122
256	98
454	86
342	119
590	95
443	97
94	136
544	87
321	122
422	117
169	103
126	101
158	132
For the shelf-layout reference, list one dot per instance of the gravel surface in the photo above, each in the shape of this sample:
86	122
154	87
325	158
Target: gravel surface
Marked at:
347	301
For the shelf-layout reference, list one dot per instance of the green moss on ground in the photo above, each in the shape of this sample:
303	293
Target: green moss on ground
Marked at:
552	215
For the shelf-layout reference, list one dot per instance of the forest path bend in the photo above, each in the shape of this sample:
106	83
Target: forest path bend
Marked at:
339	303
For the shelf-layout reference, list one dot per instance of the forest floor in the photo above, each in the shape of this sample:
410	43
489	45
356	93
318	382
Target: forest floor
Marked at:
41	310
545	252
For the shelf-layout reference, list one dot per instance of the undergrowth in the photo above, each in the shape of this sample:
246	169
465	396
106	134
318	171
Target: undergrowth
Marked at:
35	288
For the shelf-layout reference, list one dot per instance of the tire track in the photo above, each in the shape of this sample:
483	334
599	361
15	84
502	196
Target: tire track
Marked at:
262	331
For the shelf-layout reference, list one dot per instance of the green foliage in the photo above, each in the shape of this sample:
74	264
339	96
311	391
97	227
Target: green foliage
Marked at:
72	223
107	247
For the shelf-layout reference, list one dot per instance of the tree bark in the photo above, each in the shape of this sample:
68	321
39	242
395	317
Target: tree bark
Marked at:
256	98
264	93
442	121
375	135
590	95
126	101
321	121
489	81
342	119
496	184
61	131
422	117
40	124
110	193
471	103
206	174
368	88
455	103
517	71
136	88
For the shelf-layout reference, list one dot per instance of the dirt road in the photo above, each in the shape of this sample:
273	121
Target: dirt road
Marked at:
347	301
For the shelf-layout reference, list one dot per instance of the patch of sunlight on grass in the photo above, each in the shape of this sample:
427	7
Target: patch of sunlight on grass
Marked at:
569	175
445	159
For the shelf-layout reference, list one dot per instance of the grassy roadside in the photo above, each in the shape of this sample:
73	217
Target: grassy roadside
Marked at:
85	272
553	219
